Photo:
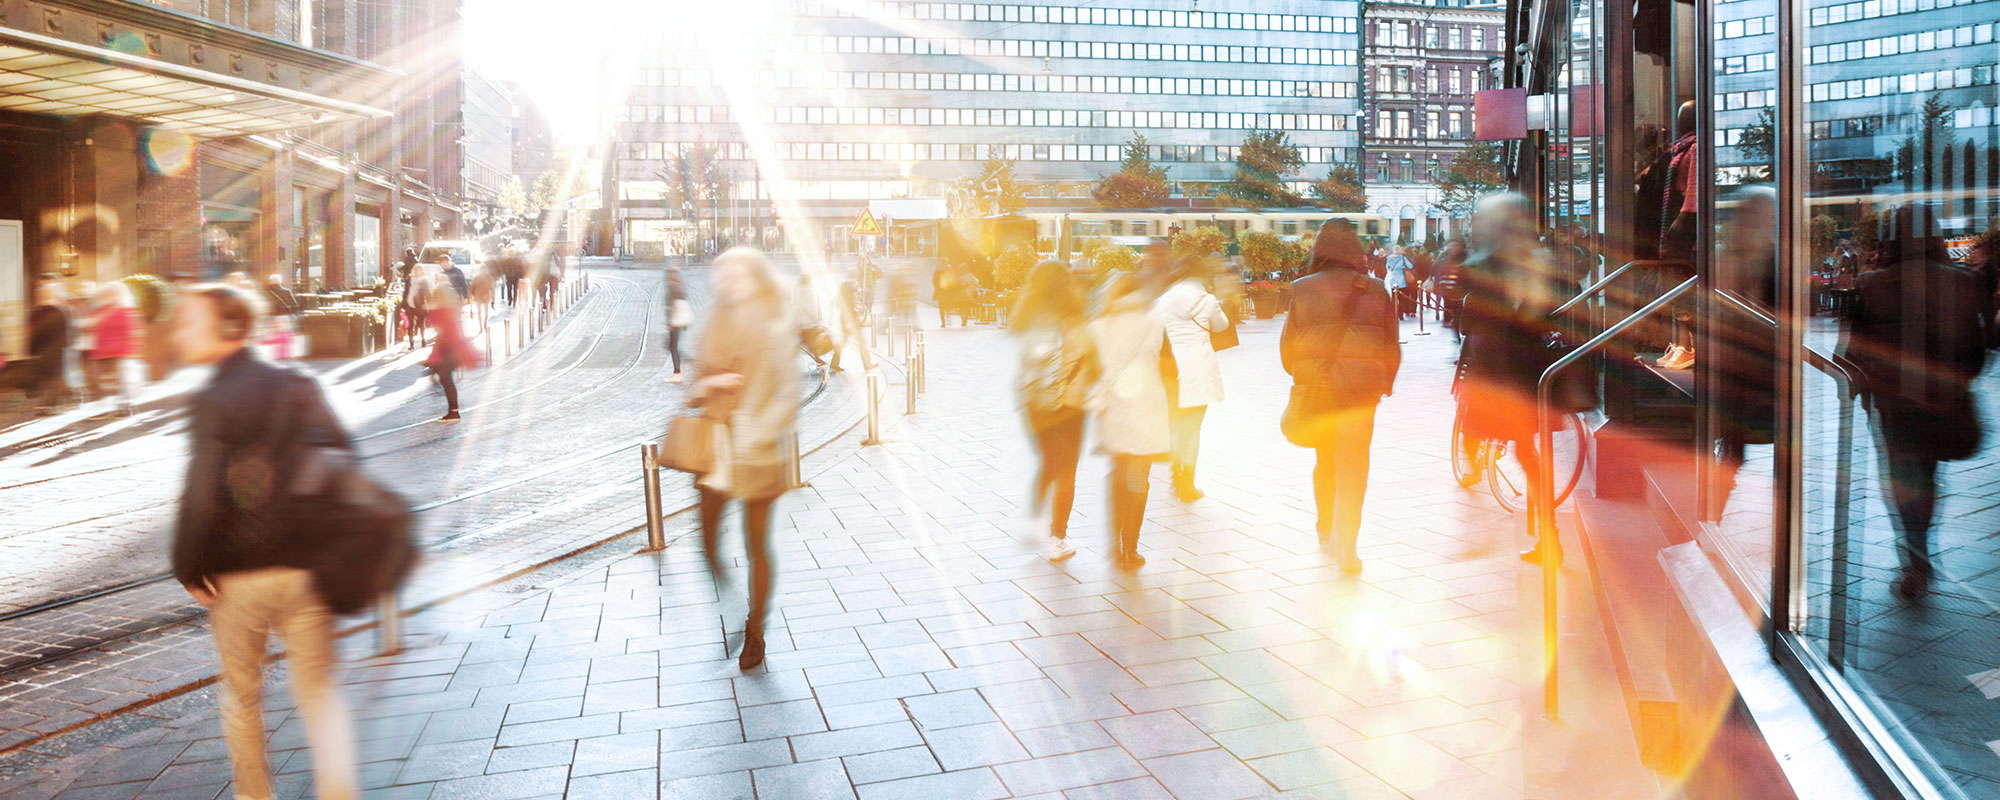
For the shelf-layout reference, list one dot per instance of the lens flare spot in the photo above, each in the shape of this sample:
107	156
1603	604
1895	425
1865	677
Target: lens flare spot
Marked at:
169	152
128	43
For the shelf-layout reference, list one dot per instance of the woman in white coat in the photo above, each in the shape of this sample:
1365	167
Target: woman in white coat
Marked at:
744	377
1189	313
1130	402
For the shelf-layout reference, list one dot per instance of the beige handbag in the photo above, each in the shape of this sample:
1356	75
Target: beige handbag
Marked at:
689	445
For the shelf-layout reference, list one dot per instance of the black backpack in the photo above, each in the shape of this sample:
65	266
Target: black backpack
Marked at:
357	532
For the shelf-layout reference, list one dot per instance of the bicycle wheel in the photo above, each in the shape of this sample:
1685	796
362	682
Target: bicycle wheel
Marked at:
1508	480
1465	455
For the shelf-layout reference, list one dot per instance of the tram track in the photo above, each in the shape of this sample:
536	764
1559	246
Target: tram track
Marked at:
596	338
151	626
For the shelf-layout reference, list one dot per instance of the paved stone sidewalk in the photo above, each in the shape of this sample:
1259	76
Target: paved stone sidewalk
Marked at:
921	648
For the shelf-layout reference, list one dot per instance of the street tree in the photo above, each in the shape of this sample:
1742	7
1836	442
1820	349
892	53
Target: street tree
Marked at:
1474	173
993	191
1199	241
1107	258
696	183
1262	162
1925	156
1341	190
1760	145
1137	183
513	200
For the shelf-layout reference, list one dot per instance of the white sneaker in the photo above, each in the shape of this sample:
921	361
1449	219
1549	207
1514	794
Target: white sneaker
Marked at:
1668	358
1059	549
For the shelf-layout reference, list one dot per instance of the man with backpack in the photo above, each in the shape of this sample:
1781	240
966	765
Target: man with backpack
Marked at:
246	548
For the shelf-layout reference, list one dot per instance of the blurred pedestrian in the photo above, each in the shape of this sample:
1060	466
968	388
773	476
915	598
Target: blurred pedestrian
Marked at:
455	275
1056	372
282	320
744	378
848	311
1339	345
115	338
814	337
410	303
51	329
1189	314
1746	362
232	550
452	351
1918	339
1130	404
680	314
1398	267
945	291
1510	291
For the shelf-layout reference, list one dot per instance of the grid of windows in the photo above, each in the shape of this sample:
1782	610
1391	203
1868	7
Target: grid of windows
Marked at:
1077	15
1849	12
1923	41
1009	117
1737	65
987	82
933	151
1731	101
1037	48
1739	28
1901	84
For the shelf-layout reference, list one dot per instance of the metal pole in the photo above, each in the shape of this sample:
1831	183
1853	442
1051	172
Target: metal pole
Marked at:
649	464
789	447
921	378
486	336
874	408
507	334
389	625
910	384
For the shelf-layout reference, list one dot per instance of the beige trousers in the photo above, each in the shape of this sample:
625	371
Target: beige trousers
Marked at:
248	606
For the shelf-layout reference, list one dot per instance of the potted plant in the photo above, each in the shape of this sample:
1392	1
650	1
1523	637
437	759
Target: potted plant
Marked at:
1264	297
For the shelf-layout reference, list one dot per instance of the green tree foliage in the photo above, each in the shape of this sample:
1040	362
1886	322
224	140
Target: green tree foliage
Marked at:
993	191
1137	183
1266	252
557	185
1199	241
1012	267
1341	190
696	181
1107	257
1474	173
513	200
1760	144
1925	157
1262	162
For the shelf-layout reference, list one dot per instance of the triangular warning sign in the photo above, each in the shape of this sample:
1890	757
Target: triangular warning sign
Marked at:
864	225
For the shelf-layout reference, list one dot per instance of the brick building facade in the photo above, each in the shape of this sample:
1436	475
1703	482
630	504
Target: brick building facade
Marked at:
1420	64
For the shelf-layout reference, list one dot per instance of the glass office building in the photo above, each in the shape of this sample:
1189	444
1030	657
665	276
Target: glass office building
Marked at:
1818	476
848	104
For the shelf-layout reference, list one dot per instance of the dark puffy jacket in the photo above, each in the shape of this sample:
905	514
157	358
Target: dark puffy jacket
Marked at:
1356	358
249	424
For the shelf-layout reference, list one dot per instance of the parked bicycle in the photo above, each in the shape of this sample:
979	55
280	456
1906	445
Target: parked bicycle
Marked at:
1496	463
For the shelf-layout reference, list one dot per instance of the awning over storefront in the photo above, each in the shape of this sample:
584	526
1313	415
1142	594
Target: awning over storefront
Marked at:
45	75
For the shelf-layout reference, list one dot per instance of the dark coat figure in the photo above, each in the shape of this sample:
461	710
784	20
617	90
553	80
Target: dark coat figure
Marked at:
49	343
1918	340
250	413
1339	346
513	269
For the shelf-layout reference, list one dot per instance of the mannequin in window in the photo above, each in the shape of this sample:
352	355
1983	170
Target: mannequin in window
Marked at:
1677	235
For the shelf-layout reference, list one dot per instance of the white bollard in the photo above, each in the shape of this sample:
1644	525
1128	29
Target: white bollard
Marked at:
389	625
874	408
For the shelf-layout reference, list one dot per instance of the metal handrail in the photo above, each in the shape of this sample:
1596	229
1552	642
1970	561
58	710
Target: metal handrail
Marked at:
1541	502
1844	371
1598	288
1832	364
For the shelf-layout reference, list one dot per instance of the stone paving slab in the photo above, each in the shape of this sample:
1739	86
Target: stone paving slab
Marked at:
921	648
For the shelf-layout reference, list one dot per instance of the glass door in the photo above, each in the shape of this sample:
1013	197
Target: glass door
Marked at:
1896	568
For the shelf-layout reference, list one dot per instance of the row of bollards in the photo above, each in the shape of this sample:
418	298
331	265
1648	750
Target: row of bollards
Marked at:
388	608
649	473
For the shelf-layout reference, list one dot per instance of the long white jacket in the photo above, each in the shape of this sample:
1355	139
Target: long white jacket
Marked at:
1129	401
1189	313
